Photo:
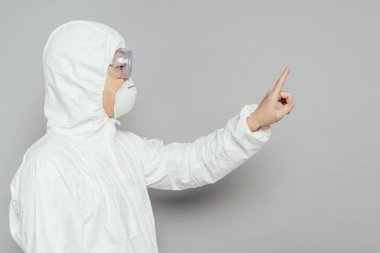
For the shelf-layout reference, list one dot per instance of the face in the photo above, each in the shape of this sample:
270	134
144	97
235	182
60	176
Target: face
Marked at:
114	82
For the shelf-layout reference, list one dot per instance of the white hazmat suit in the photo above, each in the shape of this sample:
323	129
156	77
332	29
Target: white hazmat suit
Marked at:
82	187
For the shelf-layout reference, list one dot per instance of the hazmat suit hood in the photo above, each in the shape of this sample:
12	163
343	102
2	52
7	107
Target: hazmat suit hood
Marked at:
76	57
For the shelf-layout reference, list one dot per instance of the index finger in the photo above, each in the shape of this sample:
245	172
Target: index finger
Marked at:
280	83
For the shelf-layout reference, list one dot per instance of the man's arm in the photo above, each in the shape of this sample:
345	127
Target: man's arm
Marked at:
183	165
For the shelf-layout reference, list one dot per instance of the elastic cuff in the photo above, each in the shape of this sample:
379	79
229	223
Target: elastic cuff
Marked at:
259	136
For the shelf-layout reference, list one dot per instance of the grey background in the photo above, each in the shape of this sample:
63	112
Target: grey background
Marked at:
314	187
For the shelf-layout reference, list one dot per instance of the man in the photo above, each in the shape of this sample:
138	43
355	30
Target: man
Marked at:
82	187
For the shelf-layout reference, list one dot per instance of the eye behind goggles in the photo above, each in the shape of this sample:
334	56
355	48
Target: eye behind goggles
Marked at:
121	66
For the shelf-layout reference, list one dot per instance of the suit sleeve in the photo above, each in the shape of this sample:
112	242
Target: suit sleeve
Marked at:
43	215
183	165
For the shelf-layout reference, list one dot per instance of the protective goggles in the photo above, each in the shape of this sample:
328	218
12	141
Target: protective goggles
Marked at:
121	66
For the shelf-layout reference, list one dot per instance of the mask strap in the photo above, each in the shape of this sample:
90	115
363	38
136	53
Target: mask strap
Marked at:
110	88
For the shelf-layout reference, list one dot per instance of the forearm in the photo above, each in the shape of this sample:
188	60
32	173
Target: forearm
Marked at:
178	166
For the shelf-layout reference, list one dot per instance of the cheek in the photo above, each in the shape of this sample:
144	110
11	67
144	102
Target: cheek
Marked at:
108	100
119	83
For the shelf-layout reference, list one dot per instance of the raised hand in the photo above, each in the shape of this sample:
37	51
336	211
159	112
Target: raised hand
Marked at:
269	111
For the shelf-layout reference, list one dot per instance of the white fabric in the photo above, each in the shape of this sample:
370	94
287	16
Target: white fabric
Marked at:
82	187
